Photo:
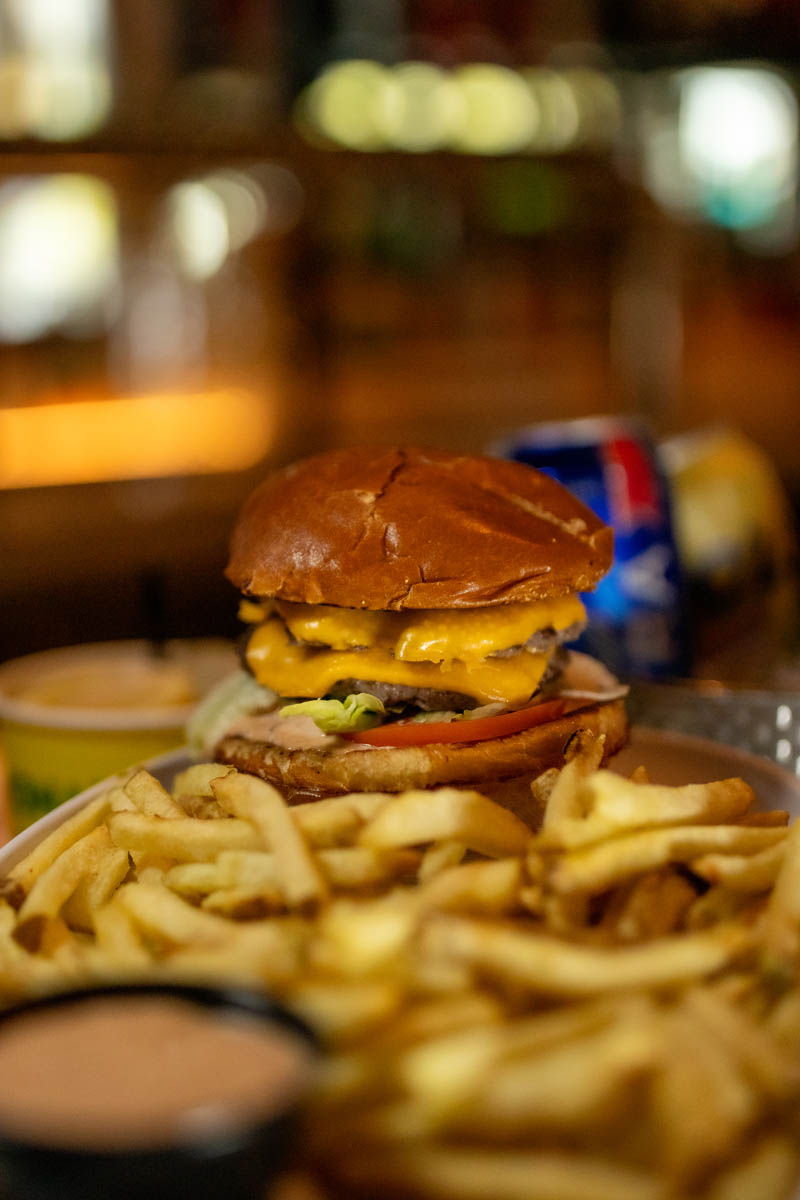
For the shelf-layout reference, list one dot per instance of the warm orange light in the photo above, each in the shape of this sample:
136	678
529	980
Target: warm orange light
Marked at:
135	437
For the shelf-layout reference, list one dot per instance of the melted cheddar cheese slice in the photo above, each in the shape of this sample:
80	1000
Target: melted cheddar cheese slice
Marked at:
291	669
430	635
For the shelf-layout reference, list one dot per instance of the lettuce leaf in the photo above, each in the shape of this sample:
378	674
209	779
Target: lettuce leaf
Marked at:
360	710
235	696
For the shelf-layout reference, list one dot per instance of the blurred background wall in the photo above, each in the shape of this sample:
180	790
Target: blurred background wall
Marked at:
237	231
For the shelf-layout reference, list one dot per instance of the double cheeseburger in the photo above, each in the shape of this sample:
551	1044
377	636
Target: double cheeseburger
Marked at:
408	613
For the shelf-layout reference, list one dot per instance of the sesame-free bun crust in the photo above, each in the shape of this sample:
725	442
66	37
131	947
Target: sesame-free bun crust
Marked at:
382	528
500	767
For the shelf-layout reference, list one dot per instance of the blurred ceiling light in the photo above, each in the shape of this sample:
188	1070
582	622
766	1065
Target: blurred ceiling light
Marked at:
283	195
500	113
211	218
353	102
737	136
735	118
559	119
55	68
136	437
429	106
53	27
722	142
67	100
244	203
598	105
199	227
480	108
58	253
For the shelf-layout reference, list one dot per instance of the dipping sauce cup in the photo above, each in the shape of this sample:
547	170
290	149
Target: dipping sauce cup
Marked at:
73	716
149	1091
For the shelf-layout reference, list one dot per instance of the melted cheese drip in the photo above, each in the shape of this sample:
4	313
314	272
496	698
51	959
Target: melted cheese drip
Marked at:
299	670
430	635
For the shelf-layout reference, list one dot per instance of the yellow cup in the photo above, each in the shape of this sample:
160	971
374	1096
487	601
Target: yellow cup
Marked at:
72	716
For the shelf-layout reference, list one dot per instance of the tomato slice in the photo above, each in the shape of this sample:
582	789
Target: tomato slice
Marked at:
420	733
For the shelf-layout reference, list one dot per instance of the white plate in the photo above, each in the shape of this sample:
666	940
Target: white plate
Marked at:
671	758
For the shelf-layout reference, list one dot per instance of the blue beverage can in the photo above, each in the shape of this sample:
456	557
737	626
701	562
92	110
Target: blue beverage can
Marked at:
637	622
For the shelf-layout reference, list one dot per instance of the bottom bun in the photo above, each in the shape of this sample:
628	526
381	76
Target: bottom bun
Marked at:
501	768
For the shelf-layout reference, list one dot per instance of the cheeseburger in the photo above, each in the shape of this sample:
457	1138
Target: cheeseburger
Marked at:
408	613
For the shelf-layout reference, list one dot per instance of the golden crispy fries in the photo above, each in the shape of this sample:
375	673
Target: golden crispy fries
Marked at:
203	808
585	1083
742	872
445	1070
438	856
601	866
119	800
151	797
197	779
602	805
26	872
55	885
651	906
446	1172
480	887
185	839
96	889
782	916
336	821
417	817
159	913
701	1102
628	805
769	1172
567	1015
298	875
543	965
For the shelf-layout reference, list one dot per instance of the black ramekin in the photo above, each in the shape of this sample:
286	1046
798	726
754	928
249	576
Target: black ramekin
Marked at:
231	1163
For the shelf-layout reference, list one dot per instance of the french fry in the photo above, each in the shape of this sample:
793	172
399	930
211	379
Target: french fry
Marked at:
298	875
438	856
96	889
354	867
197	779
651	906
344	1011
584	1083
336	820
747	1044
628	805
150	797
185	839
486	994
359	937
118	938
202	808
465	1173
604	805
26	872
768	1172
490	887
701	1101
742	872
544	965
161	914
782	916
600	866
414	817
444	1071
56	884
242	903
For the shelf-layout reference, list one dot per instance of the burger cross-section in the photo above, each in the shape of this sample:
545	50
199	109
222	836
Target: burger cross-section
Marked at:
409	611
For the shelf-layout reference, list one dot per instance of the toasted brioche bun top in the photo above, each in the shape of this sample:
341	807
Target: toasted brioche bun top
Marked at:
379	528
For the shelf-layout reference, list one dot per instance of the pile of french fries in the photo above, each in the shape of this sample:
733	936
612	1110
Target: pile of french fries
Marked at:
605	1009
